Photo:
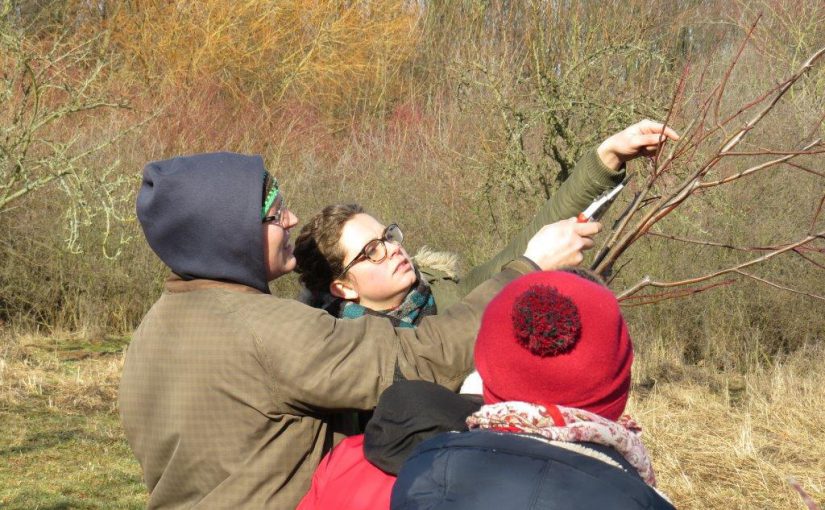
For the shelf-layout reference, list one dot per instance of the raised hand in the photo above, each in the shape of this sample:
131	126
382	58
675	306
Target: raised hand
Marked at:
640	139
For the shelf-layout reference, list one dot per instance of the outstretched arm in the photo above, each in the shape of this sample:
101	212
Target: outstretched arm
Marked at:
599	170
316	363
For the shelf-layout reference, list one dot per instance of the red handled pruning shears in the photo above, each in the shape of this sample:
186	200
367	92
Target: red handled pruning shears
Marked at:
598	207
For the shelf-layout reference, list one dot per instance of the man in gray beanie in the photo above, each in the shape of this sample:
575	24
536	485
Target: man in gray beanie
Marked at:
227	390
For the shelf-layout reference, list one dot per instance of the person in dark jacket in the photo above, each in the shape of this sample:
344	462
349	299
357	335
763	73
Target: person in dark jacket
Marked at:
554	357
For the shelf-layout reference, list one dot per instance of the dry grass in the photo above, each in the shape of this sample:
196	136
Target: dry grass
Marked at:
65	372
719	439
726	440
61	443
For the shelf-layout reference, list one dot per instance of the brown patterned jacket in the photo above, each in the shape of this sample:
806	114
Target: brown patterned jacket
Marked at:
226	391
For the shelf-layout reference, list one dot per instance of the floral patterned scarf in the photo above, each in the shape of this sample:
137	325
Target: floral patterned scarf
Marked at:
567	424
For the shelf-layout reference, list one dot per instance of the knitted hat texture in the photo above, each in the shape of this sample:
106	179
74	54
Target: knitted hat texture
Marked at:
555	338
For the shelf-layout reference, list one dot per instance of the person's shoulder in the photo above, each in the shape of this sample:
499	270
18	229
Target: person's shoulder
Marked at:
531	465
440	270
321	300
268	314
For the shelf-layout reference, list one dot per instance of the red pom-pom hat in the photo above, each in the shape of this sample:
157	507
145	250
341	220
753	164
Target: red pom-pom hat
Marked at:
554	338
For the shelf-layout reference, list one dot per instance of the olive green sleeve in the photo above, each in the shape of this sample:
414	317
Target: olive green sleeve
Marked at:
589	179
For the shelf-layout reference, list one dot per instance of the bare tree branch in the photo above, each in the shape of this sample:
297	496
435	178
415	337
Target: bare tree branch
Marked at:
733	247
817	213
808	259
778	286
648	282
805	169
658	297
754	169
622	238
768	152
720	91
48	86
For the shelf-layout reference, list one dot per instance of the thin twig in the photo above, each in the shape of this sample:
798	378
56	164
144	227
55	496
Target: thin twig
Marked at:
721	89
776	285
616	272
805	169
673	294
648	282
731	246
754	169
680	89
817	213
627	215
769	152
808	259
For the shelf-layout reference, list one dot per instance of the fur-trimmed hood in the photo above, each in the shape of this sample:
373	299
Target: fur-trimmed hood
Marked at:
443	261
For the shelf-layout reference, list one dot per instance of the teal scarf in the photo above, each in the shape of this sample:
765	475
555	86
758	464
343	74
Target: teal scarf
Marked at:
418	303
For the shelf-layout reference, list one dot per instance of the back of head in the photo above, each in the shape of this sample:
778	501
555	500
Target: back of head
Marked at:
555	338
201	215
318	250
407	414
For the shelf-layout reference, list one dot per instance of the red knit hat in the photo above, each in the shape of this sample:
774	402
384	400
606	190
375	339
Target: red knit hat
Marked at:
555	338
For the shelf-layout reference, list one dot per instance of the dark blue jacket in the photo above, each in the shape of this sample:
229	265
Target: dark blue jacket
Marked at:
481	470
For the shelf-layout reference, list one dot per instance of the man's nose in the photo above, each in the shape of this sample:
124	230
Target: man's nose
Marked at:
291	219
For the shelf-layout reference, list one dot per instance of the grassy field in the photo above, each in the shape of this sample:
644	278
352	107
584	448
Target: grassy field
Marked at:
718	440
730	440
61	444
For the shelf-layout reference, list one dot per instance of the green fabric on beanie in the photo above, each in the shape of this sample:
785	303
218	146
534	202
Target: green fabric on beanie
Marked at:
270	193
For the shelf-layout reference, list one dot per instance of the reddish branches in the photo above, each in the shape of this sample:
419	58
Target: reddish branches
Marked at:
711	137
648	282
806	498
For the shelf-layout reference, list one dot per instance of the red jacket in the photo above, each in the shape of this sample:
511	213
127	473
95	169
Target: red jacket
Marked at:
345	480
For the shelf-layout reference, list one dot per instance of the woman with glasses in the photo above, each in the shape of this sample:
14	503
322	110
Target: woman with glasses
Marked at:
352	265
368	270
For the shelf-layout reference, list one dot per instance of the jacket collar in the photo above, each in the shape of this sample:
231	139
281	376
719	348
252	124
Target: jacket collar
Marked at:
176	284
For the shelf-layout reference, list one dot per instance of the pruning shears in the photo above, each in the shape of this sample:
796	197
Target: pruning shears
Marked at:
598	207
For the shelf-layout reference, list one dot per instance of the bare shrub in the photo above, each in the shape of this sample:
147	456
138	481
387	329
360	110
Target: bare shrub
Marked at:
47	84
337	57
711	139
62	187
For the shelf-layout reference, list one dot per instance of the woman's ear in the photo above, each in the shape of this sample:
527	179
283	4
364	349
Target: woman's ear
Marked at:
344	290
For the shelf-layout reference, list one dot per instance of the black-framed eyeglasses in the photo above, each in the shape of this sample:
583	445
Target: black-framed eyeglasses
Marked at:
280	212
376	249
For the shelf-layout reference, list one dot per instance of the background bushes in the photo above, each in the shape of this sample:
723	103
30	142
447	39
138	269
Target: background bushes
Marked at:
455	119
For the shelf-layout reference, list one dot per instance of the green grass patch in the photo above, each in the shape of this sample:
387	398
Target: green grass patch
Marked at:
56	453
